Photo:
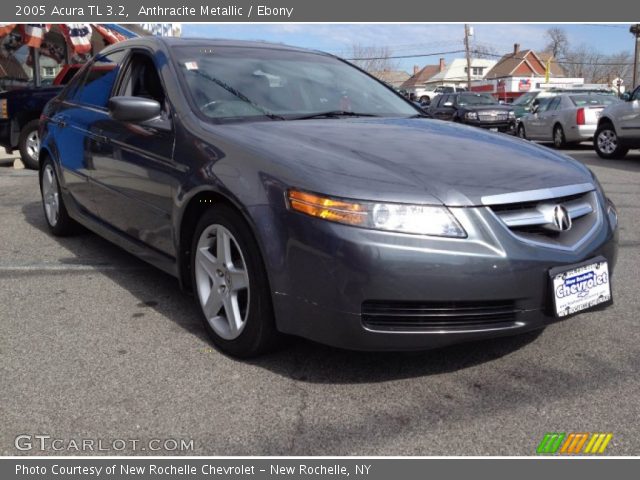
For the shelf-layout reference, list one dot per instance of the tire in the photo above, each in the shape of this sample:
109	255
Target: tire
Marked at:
219	286
559	140
55	212
606	143
521	132
29	145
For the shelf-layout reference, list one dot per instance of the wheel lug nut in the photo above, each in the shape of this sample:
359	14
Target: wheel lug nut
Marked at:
220	273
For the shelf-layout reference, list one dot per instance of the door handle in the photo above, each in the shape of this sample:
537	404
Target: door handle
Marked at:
60	121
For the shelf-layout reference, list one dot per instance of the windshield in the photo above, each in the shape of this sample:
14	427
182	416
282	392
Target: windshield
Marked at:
587	100
525	100
246	82
475	99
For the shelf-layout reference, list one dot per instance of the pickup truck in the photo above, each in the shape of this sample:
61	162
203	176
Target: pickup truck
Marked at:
20	111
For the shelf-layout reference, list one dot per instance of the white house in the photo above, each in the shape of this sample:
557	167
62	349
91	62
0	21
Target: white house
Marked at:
455	74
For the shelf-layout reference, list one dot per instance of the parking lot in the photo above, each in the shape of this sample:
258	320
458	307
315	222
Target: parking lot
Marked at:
96	344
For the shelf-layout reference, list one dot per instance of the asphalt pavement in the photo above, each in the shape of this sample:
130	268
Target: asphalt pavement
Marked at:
96	344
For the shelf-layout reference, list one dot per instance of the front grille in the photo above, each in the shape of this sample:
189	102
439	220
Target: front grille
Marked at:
532	220
438	316
493	116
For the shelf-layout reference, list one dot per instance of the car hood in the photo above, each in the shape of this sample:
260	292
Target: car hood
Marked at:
401	159
477	108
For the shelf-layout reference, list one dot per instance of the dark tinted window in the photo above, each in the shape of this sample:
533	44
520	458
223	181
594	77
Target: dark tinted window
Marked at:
99	79
142	79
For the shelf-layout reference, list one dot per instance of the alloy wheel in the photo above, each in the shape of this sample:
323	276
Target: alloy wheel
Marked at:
33	145
222	281
50	195
558	137
607	141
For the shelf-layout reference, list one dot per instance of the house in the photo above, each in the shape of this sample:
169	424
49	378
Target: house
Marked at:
522	71
455	74
416	83
395	78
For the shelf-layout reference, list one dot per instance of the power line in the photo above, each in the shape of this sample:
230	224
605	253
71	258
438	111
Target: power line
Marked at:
390	57
486	54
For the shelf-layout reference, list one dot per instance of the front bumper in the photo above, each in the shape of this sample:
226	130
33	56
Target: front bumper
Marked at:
502	126
322	274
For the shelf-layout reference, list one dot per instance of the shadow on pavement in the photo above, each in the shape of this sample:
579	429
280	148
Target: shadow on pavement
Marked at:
300	359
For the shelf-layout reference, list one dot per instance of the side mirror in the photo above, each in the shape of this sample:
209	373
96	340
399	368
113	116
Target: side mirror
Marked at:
535	108
133	109
626	97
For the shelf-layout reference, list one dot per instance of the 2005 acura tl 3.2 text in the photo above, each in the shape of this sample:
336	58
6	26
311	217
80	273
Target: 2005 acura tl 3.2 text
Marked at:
295	194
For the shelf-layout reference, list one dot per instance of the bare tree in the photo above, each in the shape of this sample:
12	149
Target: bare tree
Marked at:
372	59
485	51
557	42
586	62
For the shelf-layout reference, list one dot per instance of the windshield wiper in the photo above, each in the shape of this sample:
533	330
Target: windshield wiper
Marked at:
333	114
239	95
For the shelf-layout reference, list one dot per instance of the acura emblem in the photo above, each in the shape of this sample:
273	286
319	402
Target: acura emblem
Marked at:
561	219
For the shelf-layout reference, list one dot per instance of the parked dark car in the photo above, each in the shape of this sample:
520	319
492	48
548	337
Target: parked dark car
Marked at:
20	111
476	109
293	193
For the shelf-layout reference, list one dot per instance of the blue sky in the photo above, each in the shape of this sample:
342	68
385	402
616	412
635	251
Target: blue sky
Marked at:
411	39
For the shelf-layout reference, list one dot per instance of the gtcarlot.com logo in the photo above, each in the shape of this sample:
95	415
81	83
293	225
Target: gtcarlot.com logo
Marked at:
28	442
574	443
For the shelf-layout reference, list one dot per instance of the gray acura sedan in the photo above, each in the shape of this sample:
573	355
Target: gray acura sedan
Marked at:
292	193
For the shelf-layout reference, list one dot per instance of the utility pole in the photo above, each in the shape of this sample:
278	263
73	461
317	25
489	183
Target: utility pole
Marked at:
635	30
468	54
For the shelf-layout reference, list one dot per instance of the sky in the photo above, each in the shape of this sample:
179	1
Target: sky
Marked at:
413	39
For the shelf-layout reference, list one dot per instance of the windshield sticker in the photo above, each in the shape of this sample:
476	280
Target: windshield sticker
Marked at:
191	65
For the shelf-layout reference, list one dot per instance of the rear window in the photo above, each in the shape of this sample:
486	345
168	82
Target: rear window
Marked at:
588	100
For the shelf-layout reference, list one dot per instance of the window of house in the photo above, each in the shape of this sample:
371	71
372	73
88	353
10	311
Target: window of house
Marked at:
476	71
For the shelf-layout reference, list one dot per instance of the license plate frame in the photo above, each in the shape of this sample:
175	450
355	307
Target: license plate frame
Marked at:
591	296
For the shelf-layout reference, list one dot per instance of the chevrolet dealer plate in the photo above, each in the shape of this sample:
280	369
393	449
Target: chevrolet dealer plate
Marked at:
581	287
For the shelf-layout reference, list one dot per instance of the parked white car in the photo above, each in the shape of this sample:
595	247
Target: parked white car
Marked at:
425	95
564	119
619	127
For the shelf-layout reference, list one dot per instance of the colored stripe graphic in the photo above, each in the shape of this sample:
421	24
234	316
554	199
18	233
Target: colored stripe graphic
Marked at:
550	443
573	443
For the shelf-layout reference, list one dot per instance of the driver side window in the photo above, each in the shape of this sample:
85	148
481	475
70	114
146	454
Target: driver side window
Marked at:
142	80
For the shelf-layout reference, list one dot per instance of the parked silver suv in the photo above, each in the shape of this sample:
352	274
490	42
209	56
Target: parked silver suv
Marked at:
619	127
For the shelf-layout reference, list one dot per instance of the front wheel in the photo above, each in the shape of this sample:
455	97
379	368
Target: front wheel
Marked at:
521	132
607	144
231	285
29	145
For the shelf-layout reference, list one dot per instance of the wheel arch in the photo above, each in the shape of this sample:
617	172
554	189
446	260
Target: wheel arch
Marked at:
192	210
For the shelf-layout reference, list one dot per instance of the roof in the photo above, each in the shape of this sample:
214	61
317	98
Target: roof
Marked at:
456	70
535	63
11	68
421	77
210	42
392	77
555	68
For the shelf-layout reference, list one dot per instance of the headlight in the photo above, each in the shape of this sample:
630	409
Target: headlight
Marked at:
392	217
512	114
471	116
3	109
